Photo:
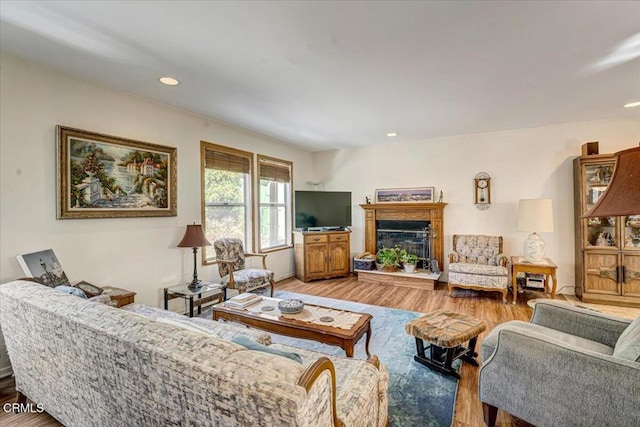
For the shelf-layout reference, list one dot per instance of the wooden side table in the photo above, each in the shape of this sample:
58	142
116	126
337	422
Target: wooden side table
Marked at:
121	296
546	267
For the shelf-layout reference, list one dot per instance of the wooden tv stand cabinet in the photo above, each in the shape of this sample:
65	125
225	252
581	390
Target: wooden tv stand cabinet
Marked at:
322	254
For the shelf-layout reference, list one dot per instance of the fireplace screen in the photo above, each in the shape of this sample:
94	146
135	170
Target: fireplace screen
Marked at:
413	236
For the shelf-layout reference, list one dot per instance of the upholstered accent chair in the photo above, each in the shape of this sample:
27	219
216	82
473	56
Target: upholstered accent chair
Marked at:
231	257
568	366
477	262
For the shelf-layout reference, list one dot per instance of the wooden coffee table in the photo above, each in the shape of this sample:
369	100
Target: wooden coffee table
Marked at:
271	321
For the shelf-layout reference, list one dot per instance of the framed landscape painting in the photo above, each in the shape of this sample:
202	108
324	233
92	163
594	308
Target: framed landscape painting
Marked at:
102	176
405	195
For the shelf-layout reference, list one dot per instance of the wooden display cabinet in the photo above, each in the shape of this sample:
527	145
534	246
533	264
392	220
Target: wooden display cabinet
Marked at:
607	248
322	254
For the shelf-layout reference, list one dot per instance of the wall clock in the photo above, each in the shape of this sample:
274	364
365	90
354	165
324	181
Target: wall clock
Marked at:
482	190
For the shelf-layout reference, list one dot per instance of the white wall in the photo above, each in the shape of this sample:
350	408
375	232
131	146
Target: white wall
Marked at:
139	254
523	163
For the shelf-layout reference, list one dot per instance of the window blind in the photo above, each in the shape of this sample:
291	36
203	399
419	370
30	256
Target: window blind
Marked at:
224	161
274	172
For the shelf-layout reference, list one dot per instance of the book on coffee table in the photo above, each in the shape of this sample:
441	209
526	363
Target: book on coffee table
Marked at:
242	300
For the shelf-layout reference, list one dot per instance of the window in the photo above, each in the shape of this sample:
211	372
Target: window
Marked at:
274	202
226	194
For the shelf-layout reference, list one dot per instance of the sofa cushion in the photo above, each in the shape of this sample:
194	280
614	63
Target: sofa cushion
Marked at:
477	249
184	324
628	345
485	270
247	342
491	282
249	278
491	340
224	330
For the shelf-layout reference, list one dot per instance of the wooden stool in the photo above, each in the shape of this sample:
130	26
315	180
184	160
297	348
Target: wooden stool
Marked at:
446	332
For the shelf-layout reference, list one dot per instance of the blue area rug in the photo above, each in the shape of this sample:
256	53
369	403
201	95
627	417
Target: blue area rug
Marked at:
418	396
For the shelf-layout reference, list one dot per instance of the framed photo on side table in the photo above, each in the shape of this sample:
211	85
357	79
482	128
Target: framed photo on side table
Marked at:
102	176
44	267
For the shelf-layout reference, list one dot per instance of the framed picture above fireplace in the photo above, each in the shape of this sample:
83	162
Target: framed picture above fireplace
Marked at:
405	195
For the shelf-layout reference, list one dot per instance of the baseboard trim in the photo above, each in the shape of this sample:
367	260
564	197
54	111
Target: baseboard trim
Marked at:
284	277
6	371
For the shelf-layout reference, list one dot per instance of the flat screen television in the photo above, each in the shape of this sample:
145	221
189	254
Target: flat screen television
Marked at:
322	209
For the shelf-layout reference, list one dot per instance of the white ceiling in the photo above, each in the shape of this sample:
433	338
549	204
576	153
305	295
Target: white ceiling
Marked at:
325	74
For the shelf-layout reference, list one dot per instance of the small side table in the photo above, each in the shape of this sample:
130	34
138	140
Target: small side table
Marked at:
195	298
120	296
546	267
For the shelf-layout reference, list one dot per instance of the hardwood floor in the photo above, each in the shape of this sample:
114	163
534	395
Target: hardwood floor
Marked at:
9	419
488	307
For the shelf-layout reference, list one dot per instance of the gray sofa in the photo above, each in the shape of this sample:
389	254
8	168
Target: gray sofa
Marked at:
88	363
567	367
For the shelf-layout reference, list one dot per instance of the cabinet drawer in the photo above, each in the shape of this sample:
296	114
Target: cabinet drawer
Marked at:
338	237
315	239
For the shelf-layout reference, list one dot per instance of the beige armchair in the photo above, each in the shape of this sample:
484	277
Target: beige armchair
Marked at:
477	263
230	257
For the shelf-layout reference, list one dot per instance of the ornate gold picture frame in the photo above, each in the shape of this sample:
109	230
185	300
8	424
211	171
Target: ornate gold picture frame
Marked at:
103	176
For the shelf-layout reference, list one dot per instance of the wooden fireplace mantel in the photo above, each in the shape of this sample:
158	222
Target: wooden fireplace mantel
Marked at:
405	211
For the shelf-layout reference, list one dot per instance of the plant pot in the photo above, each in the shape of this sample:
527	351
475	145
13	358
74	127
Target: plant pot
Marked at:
387	268
409	268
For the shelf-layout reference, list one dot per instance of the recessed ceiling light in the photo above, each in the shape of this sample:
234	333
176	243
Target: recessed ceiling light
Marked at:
632	104
392	134
169	81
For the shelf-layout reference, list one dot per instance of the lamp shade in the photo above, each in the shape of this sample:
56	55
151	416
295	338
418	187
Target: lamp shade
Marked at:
535	215
622	196
194	237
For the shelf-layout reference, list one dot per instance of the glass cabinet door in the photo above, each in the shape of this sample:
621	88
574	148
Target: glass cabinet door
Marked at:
601	231
631	232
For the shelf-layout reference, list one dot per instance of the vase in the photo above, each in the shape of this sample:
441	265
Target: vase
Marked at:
409	268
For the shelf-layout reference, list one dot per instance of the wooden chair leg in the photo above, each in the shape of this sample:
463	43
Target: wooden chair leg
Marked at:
20	398
490	414
271	287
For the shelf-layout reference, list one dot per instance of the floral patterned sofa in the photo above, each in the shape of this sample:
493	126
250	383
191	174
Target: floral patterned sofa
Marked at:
92	364
477	262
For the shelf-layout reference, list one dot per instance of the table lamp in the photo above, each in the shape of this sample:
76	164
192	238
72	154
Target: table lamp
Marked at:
194	238
535	215
622	196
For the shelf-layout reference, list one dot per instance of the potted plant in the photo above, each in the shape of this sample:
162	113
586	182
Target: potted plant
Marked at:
388	259
409	261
